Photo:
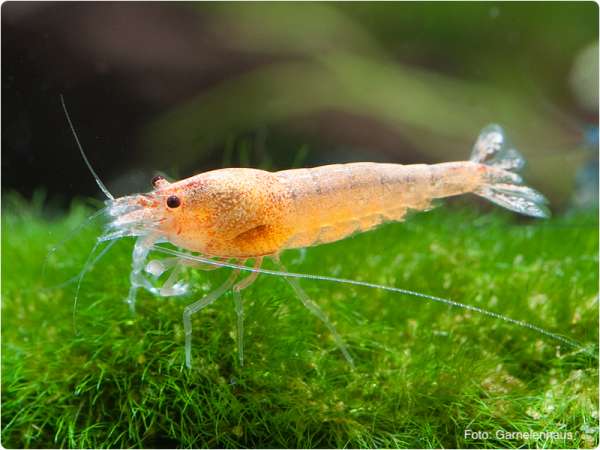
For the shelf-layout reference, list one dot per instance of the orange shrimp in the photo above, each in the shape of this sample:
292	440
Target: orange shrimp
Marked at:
248	213
243	214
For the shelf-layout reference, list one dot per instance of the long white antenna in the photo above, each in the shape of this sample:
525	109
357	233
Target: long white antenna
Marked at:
96	177
445	301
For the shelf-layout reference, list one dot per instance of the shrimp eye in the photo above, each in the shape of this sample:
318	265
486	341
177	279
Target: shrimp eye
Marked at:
173	201
156	180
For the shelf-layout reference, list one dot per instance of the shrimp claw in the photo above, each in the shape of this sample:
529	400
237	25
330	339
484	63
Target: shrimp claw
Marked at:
142	247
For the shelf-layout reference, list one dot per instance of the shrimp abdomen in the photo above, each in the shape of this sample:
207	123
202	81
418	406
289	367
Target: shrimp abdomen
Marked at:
332	202
329	203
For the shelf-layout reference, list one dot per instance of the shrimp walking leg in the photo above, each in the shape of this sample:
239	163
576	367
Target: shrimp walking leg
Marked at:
317	311
173	286
197	306
239	307
140	252
157	267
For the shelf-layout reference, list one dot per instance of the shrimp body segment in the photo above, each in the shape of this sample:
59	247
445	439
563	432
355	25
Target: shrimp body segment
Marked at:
332	202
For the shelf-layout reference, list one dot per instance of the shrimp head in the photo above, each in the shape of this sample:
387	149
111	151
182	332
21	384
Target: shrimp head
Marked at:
226	213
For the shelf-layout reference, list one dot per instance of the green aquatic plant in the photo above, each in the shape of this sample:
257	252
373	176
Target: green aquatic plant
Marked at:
426	375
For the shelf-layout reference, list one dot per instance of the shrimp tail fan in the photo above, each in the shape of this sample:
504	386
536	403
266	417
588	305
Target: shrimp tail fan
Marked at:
502	185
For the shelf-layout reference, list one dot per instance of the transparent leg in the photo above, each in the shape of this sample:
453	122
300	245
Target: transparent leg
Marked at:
197	306
157	267
239	307
173	286
239	310
317	311
142	247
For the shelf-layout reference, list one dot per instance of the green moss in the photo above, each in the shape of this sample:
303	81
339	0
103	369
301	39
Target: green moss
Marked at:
425	372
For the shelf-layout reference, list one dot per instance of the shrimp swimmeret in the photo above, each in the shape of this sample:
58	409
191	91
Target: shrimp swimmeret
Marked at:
240	214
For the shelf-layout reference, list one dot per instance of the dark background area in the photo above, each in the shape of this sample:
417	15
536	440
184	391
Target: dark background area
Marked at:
180	88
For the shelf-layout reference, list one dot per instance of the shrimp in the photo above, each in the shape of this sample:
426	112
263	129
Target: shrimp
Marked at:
233	215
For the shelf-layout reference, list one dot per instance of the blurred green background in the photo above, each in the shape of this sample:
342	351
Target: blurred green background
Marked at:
181	88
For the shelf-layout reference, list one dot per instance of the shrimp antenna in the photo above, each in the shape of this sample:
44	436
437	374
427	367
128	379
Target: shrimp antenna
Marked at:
89	263
95	175
485	312
73	233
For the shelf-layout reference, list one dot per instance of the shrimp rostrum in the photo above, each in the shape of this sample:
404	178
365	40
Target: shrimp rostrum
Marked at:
237	214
